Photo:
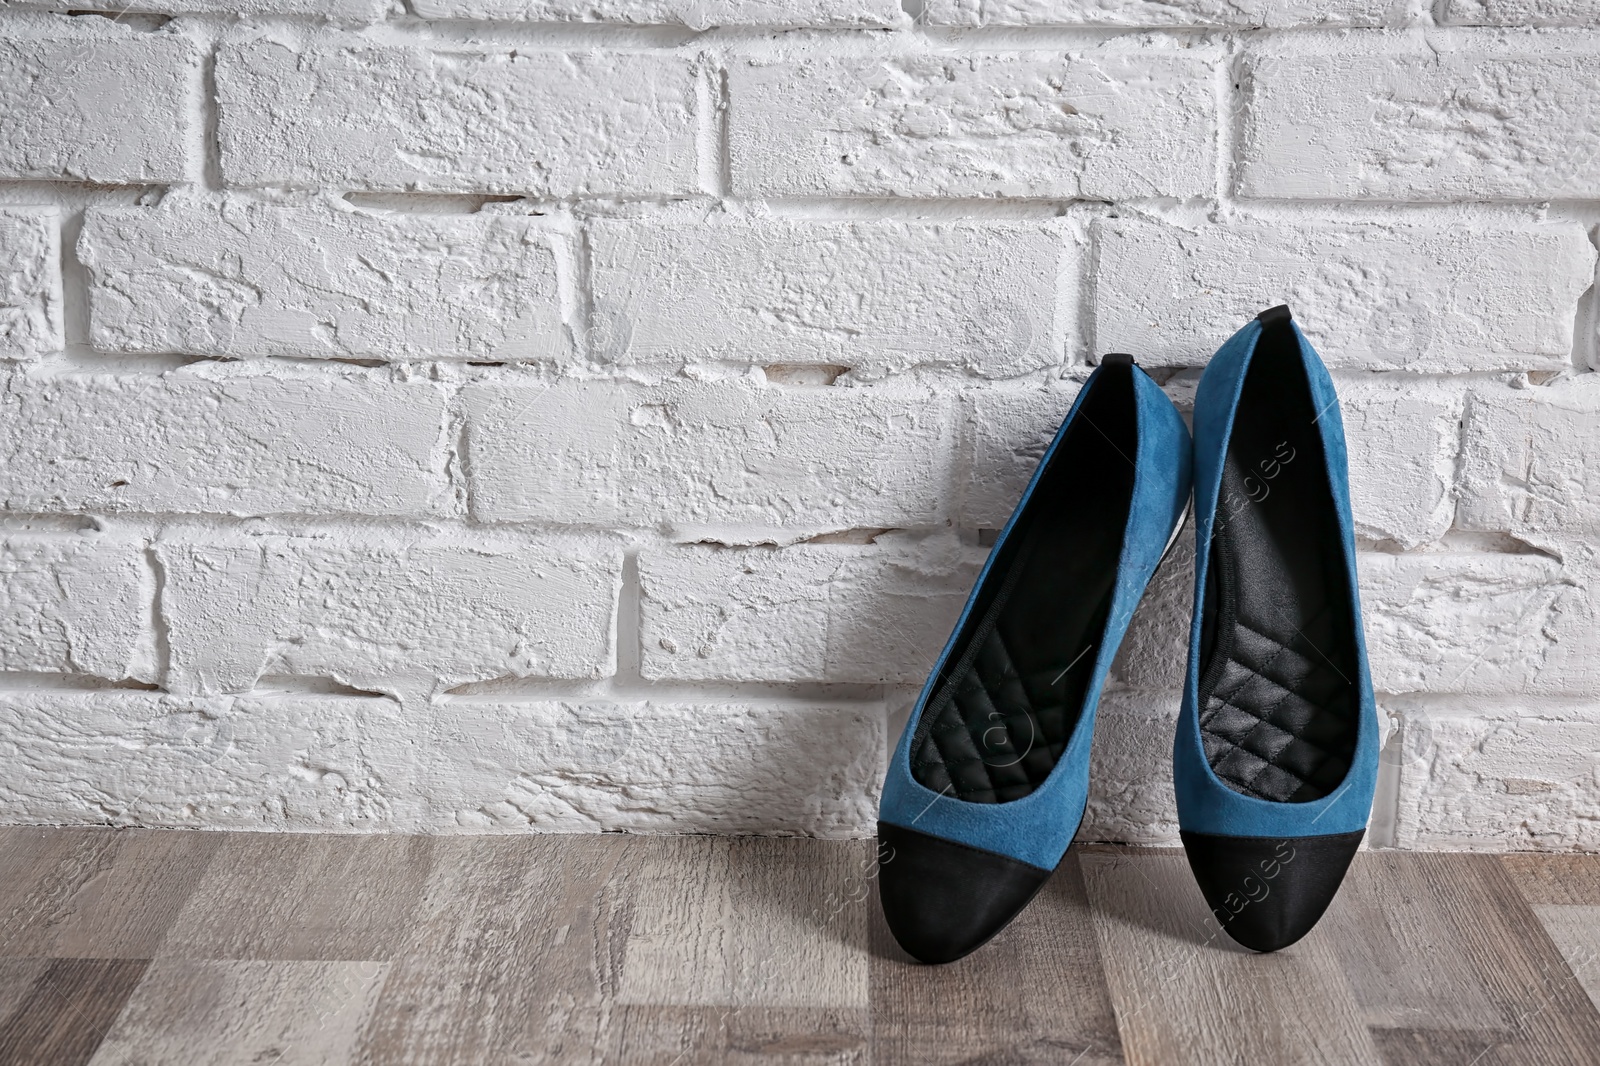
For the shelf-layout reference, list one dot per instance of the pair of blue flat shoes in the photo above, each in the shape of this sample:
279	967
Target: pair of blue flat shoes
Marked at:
1276	754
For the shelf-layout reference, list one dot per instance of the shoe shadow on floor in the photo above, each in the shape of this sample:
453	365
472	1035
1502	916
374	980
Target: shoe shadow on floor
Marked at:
1153	891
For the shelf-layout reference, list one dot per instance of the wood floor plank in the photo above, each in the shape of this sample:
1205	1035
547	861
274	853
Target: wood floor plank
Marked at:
1576	934
749	921
17	977
1488	939
302	896
101	893
1398	947
739	1036
67	1011
1036	993
1570	879
512	955
203	1012
1184	992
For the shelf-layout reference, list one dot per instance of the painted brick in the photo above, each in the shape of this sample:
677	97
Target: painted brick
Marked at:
323	764
343	113
793	458
1007	431
1517	777
1382	297
976	296
226	444
866	615
696	14
247	278
409	619
1272	13
1520	13
332	10
30	282
690	767
76	604
1403	442
1105	124
1155	650
1130	770
106	107
1480	623
1531	462
1405	121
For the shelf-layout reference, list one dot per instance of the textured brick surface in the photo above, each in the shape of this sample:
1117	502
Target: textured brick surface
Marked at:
1514	776
1385	297
1531	458
689	454
250	279
709	767
582	415
30	282
407	618
882	294
1405	122
877	613
224	445
350	115
76	604
1520	13
1495	624
696	14
333	10
302	763
1033	124
1008	432
1152	12
1402	442
96	106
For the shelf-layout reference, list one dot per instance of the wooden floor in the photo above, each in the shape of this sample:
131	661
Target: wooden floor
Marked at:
172	948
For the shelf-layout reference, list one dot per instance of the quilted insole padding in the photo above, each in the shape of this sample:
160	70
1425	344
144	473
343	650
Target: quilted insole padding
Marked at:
1013	685
1278	700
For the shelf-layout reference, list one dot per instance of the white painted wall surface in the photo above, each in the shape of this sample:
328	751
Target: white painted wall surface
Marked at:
542	415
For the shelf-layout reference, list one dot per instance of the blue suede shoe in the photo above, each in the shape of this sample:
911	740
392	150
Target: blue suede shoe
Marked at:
1276	755
988	783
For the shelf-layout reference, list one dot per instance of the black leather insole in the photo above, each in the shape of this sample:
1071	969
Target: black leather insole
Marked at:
1013	687
1278	700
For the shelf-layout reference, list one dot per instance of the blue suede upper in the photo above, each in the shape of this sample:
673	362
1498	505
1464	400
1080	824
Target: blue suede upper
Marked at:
1205	804
1037	828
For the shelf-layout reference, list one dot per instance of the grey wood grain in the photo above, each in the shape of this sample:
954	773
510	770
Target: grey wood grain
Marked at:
1036	993
16	981
202	1012
300	896
1184	992
1575	931
67	1011
742	1035
749	922
96	893
754	951
1489	940
1401	951
512	954
1573	879
1564	891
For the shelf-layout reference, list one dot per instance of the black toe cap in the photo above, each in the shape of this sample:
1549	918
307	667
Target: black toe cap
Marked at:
944	900
1267	892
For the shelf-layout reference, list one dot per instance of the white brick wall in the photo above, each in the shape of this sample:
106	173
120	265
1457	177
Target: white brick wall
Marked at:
543	415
